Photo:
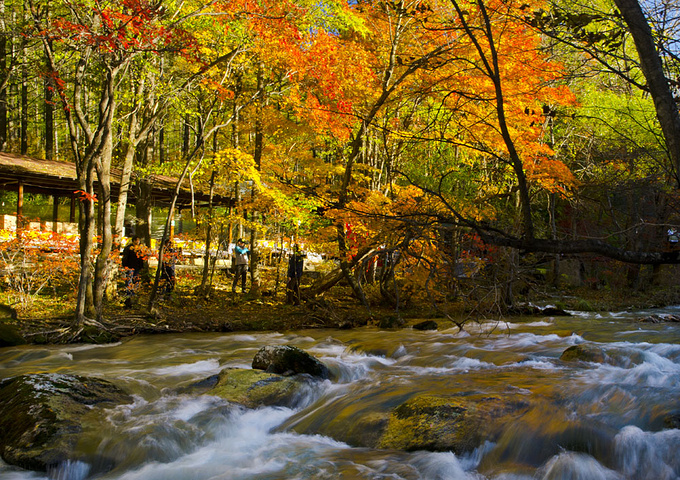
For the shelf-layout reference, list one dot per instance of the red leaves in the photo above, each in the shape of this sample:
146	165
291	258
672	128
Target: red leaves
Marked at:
85	196
129	26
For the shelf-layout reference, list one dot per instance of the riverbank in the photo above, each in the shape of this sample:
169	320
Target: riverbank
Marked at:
50	322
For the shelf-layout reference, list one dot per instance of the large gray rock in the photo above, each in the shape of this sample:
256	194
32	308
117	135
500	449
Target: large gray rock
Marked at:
288	360
40	416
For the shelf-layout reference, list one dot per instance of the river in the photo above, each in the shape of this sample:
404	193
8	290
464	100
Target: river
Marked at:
598	421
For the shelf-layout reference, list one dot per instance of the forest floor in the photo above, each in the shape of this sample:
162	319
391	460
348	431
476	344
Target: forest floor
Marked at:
48	319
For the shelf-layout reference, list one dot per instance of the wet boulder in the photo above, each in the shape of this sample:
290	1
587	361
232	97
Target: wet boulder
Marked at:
619	357
551	311
672	420
457	424
391	322
288	360
585	353
426	325
40	416
255	388
9	336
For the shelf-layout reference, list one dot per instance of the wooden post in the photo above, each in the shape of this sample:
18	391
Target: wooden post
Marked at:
72	212
20	206
55	213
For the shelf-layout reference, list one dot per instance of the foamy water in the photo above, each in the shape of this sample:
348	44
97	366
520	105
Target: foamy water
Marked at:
592	421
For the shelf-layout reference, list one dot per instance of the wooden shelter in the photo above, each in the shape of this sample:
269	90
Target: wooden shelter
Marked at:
24	174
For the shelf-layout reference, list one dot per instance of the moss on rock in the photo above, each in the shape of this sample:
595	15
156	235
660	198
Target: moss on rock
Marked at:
457	424
287	359
9	336
585	353
255	388
40	415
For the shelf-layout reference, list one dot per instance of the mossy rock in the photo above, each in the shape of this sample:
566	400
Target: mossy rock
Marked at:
40	416
585	353
584	306
457	424
391	322
9	336
288	360
255	388
426	325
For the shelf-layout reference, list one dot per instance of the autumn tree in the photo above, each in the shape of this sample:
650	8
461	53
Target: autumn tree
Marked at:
96	43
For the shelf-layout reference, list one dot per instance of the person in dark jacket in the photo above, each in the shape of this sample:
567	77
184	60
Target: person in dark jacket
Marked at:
295	268
170	256
133	263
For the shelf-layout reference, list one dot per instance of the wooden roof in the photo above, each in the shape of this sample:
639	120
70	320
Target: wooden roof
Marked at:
51	177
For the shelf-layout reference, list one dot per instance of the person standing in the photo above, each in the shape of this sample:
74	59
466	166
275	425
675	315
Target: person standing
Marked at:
673	238
133	263
170	255
240	260
295	268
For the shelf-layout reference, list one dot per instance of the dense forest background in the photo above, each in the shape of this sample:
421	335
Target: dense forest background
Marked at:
423	142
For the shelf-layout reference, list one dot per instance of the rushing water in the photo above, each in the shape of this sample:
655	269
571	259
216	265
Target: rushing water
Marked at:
617	410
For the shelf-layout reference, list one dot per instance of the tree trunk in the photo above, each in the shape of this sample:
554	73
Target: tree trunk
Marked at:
144	196
652	68
86	229
185	136
24	107
205	285
139	128
4	77
103	264
257	157
125	183
49	120
143	211
48	110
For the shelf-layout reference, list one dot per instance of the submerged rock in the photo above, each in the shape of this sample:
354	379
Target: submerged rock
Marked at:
425	422
255	388
288	360
672	420
584	353
457	424
40	416
619	357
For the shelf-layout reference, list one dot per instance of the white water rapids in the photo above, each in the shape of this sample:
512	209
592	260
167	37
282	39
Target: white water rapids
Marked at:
598	421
